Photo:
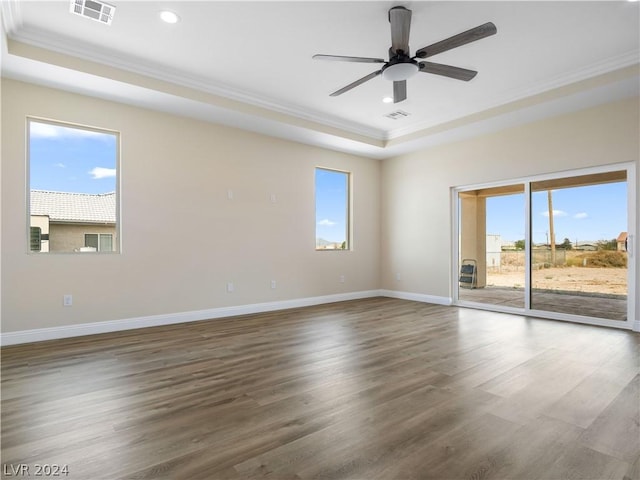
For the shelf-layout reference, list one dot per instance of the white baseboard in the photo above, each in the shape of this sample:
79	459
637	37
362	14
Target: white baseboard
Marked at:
66	331
636	326
417	297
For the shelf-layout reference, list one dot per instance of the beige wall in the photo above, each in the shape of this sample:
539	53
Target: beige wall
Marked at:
416	218
182	238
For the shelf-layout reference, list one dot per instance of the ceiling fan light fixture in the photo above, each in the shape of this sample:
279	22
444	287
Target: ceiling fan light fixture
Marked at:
400	71
387	100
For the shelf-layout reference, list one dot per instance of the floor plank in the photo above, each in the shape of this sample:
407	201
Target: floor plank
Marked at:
616	431
375	388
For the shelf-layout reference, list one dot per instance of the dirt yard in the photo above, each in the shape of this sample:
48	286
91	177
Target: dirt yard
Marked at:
574	279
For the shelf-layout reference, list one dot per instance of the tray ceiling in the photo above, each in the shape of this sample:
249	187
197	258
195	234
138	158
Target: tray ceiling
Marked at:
249	64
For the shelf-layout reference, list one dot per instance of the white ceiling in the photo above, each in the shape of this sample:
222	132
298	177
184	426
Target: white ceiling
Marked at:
249	64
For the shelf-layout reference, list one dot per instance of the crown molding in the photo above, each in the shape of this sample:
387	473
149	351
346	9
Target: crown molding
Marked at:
11	16
168	75
610	65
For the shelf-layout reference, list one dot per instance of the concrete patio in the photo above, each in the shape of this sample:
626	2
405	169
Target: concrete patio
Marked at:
612	307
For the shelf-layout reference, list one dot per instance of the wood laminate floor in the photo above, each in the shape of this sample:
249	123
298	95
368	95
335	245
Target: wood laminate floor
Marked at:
368	389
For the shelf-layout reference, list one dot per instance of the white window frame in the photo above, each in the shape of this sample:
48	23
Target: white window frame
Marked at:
117	241
348	214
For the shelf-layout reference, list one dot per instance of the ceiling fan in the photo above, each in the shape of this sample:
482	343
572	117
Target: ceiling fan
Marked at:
401	65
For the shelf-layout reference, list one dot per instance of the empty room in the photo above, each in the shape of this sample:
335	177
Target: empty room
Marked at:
339	240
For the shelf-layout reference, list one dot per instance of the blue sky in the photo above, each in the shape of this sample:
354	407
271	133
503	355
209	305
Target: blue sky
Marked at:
66	159
590	213
331	205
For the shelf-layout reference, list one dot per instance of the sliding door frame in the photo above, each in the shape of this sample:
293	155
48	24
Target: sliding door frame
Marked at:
632	229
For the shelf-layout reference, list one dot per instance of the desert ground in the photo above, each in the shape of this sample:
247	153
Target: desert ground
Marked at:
574	279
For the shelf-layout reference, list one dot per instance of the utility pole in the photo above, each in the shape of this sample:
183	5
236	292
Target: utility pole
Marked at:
551	233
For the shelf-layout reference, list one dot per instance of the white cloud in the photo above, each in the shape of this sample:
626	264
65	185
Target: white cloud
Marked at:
44	130
326	223
60	165
556	213
47	130
101	172
580	215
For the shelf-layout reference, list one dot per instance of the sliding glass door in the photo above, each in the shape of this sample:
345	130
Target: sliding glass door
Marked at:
554	246
492	254
579	261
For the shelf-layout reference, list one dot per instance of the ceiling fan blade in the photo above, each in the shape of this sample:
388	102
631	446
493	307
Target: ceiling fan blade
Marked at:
463	38
400	19
399	91
447	71
341	58
356	83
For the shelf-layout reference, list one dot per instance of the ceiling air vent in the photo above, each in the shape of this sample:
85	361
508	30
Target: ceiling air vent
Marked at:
397	115
98	11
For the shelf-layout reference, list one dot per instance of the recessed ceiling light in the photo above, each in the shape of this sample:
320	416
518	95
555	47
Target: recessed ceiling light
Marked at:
169	17
387	99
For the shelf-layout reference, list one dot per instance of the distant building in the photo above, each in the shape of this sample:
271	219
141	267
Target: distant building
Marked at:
72	222
587	246
494	251
508	245
621	242
331	246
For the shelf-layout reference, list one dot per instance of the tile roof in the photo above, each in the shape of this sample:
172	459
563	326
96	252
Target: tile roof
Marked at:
74	207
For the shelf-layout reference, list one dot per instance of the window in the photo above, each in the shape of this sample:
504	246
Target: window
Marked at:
332	209
73	187
35	239
98	242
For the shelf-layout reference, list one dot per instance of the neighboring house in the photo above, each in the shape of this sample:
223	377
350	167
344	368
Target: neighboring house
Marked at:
590	246
72	222
621	242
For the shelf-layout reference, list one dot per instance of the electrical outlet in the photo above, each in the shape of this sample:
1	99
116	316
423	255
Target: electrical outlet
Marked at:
273	284
229	287
67	300
398	277
230	194
341	278
273	197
